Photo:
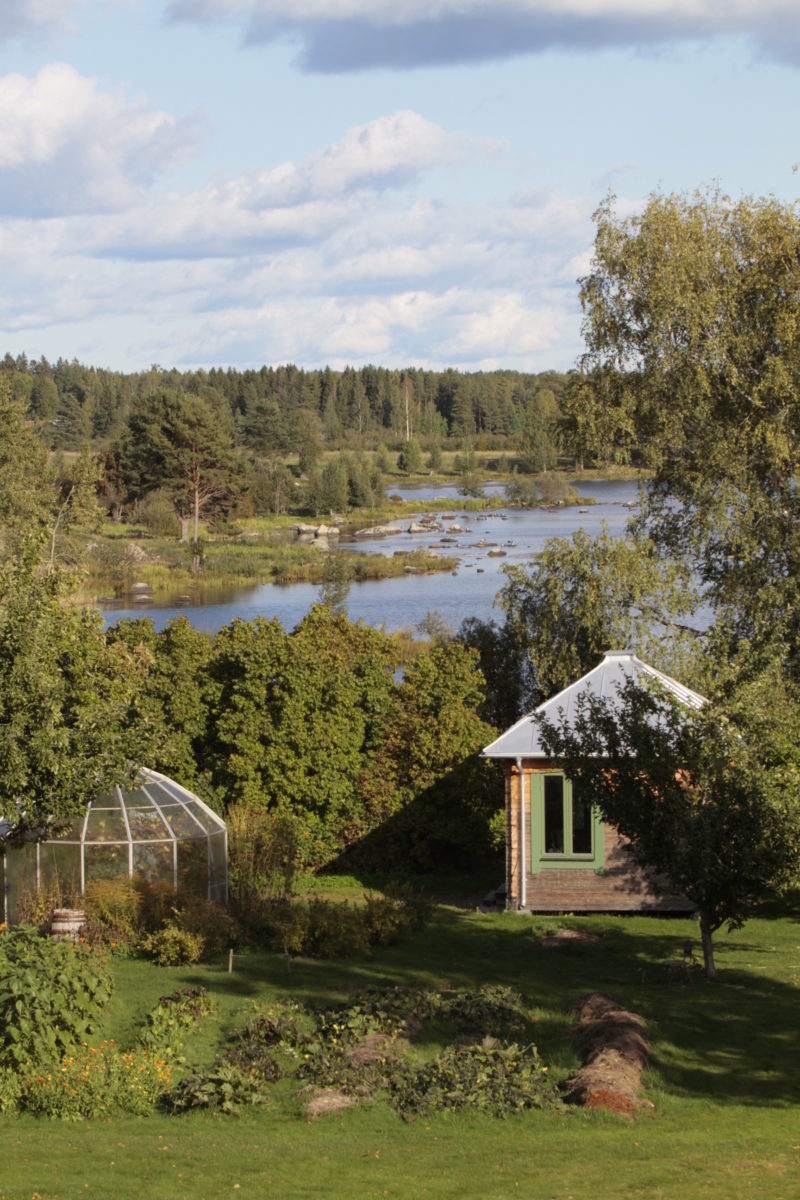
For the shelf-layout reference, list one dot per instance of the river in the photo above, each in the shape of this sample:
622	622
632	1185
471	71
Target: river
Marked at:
402	603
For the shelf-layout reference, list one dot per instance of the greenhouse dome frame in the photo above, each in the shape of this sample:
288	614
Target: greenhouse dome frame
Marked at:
157	831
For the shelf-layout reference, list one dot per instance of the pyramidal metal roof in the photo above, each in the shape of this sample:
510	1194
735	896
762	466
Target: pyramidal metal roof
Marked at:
605	680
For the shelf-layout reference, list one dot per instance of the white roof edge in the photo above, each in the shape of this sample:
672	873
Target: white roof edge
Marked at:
683	693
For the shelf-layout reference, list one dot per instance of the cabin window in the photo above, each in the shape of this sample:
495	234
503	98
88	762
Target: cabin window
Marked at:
565	830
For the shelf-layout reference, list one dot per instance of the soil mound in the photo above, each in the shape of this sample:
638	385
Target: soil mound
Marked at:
375	1047
567	937
325	1101
614	1050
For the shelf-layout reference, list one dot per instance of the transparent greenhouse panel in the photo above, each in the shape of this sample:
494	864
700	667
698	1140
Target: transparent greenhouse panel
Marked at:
71	832
60	872
105	862
137	798
219	860
106	825
146	825
157	832
193	866
207	822
153	861
181	823
20	867
107	800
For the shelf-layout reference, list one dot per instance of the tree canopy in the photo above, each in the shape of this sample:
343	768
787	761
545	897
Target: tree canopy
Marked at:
584	595
64	696
178	442
693	306
708	799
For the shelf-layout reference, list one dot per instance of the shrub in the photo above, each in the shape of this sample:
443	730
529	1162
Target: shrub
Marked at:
417	904
212	921
35	905
554	489
497	831
263	857
385	920
50	995
173	946
156	904
112	909
335	930
157	514
489	1077
286	926
327	929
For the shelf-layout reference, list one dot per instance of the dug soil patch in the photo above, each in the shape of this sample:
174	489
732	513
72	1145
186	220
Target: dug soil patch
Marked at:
568	937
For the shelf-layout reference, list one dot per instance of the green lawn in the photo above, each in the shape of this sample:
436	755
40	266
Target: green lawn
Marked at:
724	1081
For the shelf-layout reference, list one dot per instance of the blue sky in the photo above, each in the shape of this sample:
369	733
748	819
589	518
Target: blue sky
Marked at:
403	182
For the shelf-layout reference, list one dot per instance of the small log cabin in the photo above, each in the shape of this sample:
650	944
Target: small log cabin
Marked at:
560	854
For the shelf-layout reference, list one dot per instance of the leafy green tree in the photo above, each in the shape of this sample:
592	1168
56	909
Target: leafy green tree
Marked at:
383	460
409	460
693	306
177	441
435	457
337	576
64	697
585	595
470	478
310	453
76	510
27	488
504	656
443	794
708	799
297	720
169	711
49	503
538	446
328	488
270	486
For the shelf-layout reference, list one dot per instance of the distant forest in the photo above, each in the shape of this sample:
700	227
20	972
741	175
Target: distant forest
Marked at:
275	410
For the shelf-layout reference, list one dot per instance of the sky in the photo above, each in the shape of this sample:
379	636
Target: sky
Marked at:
198	183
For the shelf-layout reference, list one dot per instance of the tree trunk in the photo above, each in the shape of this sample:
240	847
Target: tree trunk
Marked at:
184	523
196	513
708	948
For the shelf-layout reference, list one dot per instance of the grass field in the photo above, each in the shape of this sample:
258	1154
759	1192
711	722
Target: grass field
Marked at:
724	1080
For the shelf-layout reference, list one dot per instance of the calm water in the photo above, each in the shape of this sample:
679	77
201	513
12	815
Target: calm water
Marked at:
402	603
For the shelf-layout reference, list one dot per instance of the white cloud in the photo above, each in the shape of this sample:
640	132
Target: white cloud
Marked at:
68	147
384	152
290	205
345	35
338	257
33	18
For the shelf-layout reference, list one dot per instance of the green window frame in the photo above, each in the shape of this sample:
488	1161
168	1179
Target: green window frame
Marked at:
563	833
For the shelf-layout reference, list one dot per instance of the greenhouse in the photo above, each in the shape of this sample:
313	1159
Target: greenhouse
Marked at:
157	831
